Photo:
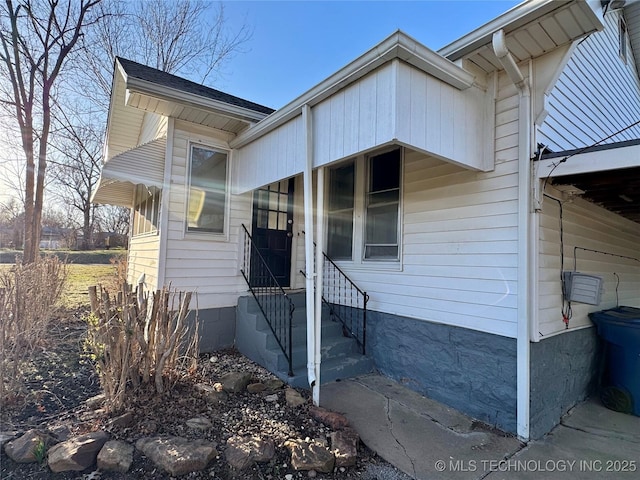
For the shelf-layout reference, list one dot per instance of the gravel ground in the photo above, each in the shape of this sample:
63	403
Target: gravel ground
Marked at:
62	378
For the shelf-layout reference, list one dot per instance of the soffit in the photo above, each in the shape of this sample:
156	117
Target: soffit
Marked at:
541	27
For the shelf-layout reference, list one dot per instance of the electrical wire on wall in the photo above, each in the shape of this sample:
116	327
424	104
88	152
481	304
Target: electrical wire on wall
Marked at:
582	150
565	310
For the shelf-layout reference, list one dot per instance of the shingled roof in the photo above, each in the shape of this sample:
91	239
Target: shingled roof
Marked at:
143	72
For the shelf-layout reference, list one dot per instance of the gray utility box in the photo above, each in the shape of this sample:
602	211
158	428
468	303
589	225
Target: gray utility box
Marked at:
582	288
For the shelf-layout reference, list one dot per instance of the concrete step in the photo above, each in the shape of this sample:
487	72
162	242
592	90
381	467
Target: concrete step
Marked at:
331	349
254	338
335	369
329	329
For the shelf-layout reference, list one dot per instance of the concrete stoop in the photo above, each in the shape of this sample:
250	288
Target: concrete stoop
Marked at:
255	340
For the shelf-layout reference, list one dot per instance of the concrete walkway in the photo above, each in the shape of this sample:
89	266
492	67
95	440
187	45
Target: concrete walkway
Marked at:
430	441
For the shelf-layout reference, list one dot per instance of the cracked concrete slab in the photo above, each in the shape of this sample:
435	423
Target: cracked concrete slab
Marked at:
421	437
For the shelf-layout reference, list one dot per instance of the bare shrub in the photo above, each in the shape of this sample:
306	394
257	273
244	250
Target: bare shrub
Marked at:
135	343
28	294
120	264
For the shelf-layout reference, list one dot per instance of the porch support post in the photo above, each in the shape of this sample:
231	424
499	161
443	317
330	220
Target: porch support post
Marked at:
319	271
308	248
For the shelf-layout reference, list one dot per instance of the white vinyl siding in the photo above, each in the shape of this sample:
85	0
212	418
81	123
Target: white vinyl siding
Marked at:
206	264
459	258
458	264
596	95
394	104
153	126
589	226
143	259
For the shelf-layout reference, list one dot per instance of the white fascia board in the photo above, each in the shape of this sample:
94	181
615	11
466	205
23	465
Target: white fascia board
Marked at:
511	20
144	87
118	72
598	161
398	45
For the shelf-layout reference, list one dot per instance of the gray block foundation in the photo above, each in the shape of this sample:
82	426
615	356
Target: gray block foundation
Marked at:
565	369
471	371
217	328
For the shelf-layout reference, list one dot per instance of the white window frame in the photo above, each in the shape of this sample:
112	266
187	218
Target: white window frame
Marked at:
623	38
195	234
358	261
138	230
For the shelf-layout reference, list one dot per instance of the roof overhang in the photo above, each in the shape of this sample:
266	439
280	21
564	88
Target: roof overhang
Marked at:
398	45
531	29
169	98
609	175
142	165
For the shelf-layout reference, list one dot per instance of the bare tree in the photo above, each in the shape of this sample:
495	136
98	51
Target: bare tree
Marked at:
78	171
36	37
189	38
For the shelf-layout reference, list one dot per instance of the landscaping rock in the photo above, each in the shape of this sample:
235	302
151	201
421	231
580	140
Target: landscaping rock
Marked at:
256	387
293	397
115	456
242	452
177	455
211	394
331	419
274	384
77	453
271	398
122	421
6	437
61	433
24	448
235	382
310	456
199	423
344	445
95	402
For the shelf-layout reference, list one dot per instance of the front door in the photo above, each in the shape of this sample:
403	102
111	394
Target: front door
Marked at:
272	231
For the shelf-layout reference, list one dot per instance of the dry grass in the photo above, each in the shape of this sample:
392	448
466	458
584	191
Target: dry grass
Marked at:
81	277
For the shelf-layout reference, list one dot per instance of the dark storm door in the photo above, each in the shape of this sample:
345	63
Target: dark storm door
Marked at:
272	231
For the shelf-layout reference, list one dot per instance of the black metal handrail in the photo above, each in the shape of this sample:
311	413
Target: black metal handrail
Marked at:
273	301
346	301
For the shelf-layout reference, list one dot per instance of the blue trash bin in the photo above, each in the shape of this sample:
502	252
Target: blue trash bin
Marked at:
620	328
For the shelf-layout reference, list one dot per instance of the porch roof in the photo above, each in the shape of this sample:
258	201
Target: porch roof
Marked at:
399	92
609	175
120	174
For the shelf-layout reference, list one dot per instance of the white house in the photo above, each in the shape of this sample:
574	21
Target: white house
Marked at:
453	187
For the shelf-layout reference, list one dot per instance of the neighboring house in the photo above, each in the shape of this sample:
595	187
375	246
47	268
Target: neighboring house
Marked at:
443	191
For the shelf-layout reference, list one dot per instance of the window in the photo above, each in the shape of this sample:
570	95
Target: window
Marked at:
363	211
207	190
382	206
340	212
146	210
622	39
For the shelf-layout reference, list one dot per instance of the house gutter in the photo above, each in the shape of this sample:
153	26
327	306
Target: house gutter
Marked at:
523	385
164	204
144	87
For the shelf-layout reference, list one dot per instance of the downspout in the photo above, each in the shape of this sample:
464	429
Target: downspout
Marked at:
308	244
319	271
164	204
524	178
